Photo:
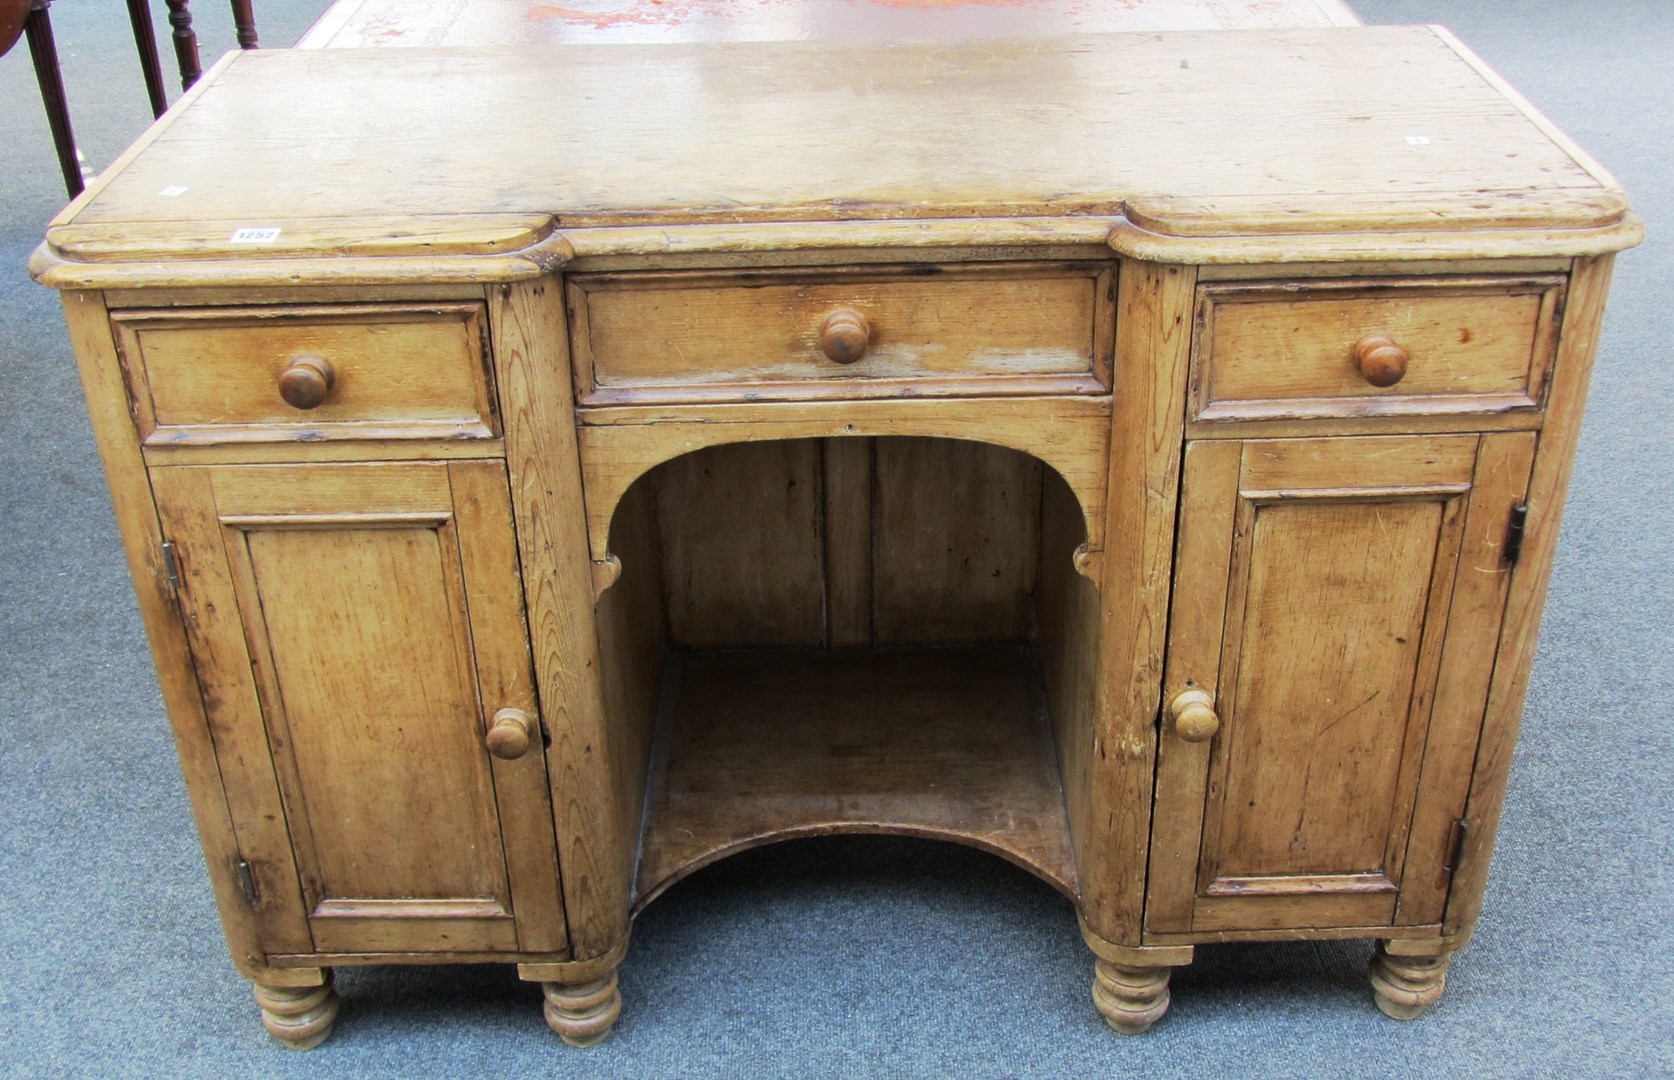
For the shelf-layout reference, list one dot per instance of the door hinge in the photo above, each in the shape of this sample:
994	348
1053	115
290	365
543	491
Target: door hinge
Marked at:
171	565
247	882
1456	849
1514	530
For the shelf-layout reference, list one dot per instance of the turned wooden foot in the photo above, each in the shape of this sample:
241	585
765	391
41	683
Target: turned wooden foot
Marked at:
583	1013
1131	998
300	1017
1405	986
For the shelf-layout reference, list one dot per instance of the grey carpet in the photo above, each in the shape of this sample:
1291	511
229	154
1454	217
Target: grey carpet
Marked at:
849	957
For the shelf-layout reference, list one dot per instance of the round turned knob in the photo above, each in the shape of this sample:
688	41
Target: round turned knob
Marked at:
307	382
510	733
1194	716
1381	361
844	336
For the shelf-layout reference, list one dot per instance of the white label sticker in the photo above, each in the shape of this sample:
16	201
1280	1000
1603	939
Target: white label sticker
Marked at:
255	236
172	192
1418	140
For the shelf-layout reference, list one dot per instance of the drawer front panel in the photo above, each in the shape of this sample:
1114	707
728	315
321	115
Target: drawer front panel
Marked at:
703	336
380	371
1289	349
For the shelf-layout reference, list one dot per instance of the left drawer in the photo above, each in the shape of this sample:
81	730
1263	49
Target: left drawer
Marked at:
308	373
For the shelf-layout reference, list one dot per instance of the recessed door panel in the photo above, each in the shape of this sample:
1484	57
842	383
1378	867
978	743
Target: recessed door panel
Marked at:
356	629
1324	589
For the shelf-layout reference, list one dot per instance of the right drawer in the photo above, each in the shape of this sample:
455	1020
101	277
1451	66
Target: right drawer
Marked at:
1274	350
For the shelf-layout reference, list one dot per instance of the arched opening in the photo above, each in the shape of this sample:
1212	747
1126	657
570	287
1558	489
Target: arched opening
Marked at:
850	635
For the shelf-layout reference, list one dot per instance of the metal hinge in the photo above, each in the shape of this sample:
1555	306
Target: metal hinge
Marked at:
171	565
1456	849
247	882
1514	530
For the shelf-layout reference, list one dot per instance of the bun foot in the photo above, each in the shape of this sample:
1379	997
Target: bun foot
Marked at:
1131	998
1405	986
300	1017
583	1013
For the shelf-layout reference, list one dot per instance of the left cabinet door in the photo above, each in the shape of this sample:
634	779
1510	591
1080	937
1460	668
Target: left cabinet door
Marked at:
358	631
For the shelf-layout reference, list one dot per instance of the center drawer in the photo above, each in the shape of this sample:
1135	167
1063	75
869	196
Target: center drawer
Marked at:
922	330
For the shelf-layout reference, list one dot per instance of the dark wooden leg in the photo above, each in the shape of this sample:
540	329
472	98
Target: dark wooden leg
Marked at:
38	27
145	39
245	20
185	42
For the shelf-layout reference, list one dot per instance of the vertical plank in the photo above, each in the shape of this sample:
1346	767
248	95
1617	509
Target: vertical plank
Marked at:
632	634
1068	621
1548	484
1479	593
848	542
956	544
1204	551
595	819
220	665
136	519
740	538
1153	336
505	679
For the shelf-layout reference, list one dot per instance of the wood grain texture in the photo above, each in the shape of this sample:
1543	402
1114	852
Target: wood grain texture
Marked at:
1378	587
400	370
848	531
633	636
245	927
1286	349
1548	486
741	545
224	684
1153	341
1208	504
619	444
370	714
301	1018
1078	126
592	763
945	744
1067	612
956	532
1461	695
1008	328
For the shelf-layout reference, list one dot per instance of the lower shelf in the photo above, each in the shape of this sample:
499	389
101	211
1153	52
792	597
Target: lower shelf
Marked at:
950	744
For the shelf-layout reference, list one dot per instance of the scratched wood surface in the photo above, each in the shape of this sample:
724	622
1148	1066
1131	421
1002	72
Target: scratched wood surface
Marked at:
1384	130
378	23
1359	573
946	744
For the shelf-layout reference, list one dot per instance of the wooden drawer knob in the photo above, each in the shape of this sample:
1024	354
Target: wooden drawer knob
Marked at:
1381	361
1194	716
307	382
844	336
509	734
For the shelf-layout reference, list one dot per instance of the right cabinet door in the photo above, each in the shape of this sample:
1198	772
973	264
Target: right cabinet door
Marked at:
1337	603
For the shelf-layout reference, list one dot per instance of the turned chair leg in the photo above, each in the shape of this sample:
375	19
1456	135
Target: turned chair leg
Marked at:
583	1013
300	1017
1404	987
151	65
244	19
185	42
44	52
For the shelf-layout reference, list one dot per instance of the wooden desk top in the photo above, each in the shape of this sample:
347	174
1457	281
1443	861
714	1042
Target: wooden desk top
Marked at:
500	163
377	23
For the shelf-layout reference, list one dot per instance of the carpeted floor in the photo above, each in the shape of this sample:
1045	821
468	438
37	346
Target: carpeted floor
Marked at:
851	957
